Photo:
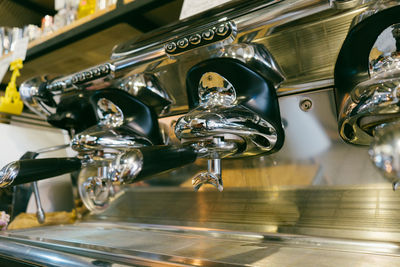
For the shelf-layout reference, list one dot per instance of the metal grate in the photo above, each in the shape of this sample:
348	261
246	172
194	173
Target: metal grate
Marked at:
328	211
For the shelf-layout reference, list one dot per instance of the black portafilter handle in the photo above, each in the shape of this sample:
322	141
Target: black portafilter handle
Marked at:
30	170
152	160
157	159
138	164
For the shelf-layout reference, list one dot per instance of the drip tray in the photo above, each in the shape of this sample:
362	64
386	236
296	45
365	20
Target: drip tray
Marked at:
119	244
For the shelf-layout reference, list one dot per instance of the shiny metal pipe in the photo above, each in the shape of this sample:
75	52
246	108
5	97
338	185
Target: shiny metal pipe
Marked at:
276	13
24	253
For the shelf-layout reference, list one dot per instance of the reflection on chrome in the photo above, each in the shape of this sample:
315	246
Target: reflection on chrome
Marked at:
108	113
370	113
107	147
221	127
375	7
8	174
147	88
376	100
212	176
385	151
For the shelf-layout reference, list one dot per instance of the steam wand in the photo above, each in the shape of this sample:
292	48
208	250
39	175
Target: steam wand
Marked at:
40	214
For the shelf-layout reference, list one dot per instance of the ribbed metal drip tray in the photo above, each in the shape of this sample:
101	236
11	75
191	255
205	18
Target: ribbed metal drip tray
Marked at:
125	243
368	212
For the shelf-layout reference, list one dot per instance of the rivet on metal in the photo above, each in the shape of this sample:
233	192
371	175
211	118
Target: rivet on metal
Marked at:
305	104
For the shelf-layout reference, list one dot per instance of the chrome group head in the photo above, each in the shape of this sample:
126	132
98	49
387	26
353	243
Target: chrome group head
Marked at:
368	95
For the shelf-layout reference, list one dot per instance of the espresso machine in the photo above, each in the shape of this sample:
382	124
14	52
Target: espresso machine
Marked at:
260	133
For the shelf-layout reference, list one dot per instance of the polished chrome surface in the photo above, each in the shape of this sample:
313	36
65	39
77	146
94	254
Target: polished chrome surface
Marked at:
41	217
8	174
385	151
346	4
315	185
384	56
247	16
212	176
258	57
220	126
106	147
375	7
146	87
303	36
96	188
374	101
220	114
212	37
305	49
313	152
22	253
101	137
96	77
29	90
215	90
243	132
127	166
108	113
141	244
96	191
270	198
368	213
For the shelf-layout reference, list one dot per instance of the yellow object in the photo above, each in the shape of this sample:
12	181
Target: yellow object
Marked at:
29	220
11	102
86	7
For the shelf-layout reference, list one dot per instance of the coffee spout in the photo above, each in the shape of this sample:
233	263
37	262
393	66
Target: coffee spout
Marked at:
212	176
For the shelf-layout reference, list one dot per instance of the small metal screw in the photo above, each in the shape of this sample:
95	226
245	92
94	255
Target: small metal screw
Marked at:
305	104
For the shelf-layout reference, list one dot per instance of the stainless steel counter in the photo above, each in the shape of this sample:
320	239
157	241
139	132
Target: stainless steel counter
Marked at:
107	244
329	226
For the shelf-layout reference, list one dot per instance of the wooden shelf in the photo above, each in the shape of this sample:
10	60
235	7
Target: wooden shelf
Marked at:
89	41
129	13
70	27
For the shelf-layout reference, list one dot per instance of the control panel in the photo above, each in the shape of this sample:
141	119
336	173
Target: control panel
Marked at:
214	34
82	77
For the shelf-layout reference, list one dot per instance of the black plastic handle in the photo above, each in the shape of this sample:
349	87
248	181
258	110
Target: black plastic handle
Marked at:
157	159
138	116
352	63
30	170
